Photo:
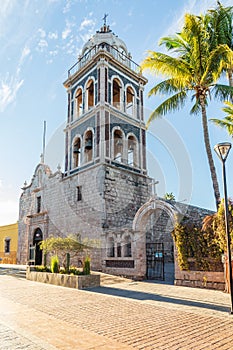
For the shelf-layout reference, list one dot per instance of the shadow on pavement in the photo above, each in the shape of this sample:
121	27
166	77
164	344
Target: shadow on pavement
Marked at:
158	297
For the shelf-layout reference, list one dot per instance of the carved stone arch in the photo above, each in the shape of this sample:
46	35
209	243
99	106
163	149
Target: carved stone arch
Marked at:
90	93
117	92
145	211
118	144
130	100
88	144
79	102
110	245
154	222
77	151
132	150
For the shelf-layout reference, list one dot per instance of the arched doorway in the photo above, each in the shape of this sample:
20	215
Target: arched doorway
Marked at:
37	238
156	220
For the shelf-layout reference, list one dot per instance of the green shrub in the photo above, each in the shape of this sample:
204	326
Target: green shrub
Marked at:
55	264
42	269
87	266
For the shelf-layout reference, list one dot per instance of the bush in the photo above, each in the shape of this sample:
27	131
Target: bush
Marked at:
87	266
55	264
42	269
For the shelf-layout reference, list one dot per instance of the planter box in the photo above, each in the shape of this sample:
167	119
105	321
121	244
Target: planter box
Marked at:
71	281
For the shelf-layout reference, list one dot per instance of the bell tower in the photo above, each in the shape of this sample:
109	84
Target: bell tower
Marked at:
105	107
105	147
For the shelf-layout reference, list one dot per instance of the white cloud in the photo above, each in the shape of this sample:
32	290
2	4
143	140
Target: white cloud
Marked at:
68	29
52	35
42	44
8	90
67	6
0	183
25	52
42	32
86	23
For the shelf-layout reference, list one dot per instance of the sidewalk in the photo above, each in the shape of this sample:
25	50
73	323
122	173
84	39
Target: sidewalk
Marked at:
127	316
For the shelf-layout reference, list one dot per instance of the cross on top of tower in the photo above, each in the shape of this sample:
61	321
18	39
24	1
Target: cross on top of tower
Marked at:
105	19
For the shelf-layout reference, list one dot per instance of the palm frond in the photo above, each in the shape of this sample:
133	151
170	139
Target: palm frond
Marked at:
171	104
223	92
166	87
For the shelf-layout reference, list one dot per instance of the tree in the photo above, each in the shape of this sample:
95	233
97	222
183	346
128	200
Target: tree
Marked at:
169	196
226	122
71	245
221	33
193	68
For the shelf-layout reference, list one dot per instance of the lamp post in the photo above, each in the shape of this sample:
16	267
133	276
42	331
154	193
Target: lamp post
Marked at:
222	150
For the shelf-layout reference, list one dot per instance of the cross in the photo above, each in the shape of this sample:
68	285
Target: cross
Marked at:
105	18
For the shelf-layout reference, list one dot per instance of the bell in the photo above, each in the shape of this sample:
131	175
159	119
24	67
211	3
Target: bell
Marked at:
88	144
76	149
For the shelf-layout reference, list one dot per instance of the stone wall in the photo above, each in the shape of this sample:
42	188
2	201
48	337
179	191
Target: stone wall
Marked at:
110	200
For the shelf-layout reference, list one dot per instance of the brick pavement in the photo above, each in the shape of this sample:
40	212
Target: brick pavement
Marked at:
121	316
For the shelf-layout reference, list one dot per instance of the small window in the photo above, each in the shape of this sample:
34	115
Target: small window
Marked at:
116	93
118	250
38	204
7	245
79	193
111	250
90	94
79	102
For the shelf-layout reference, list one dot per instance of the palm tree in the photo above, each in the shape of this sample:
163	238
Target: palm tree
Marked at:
194	68
221	33
226	122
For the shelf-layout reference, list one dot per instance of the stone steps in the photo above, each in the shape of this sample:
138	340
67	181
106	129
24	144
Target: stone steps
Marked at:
13	272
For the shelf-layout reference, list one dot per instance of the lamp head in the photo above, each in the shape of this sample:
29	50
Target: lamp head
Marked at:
222	150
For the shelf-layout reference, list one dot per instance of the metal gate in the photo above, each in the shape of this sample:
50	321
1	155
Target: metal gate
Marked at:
155	261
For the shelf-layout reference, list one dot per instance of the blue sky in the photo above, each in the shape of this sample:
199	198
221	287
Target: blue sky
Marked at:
40	41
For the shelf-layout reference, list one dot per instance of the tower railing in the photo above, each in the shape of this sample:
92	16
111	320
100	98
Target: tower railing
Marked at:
119	56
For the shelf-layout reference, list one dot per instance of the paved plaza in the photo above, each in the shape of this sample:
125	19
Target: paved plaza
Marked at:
128	315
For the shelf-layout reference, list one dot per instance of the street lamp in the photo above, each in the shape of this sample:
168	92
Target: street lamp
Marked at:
222	150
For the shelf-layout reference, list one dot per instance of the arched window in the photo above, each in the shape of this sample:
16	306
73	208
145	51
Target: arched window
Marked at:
132	151
7	245
90	95
110	247
88	146
37	238
116	93
118	145
127	247
130	101
77	153
79	102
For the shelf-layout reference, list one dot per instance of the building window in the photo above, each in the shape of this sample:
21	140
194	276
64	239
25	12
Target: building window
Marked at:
77	153
127	247
118	146
79	193
38	204
90	94
118	250
130	101
132	151
116	93
111	250
7	245
88	146
79	102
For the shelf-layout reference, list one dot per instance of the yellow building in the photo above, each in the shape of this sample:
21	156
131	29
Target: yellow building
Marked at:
8	243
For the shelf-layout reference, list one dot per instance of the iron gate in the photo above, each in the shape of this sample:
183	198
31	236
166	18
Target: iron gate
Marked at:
155	261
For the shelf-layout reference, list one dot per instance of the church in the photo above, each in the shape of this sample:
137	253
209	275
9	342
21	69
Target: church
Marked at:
104	193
